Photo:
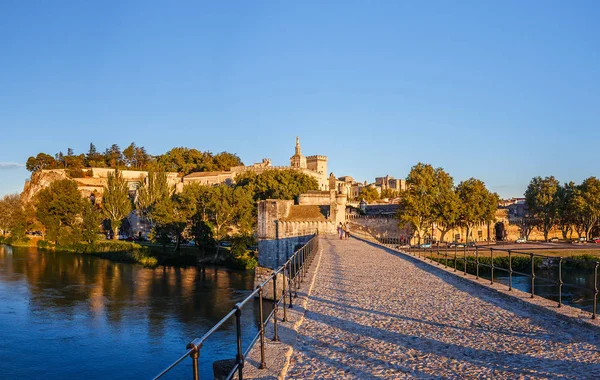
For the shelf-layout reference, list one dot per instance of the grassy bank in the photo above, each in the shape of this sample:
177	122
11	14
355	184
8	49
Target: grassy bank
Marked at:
147	254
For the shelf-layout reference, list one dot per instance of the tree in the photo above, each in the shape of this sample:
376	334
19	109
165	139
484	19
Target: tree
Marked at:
277	184
389	193
93	158
152	190
90	224
587	205
566	208
113	156
369	194
445	203
172	216
116	204
129	155
478	205
225	161
40	162
58	208
416	203
225	208
141	158
10	208
541	199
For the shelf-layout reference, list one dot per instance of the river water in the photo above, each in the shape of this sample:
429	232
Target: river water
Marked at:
71	316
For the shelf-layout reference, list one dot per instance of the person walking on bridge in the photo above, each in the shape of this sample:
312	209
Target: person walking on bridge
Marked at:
347	230
341	231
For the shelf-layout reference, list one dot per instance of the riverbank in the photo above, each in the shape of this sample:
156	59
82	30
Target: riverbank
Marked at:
148	255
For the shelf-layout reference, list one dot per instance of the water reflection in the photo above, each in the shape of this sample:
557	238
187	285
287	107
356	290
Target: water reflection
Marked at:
98	319
577	289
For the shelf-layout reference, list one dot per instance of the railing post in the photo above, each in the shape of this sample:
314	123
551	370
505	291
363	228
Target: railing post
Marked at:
283	293
560	281
438	254
296	281
290	284
196	344
492	260
510	271
532	275
455	258
446	254
240	354
465	257
595	289
262	328
477	263
275	307
302	261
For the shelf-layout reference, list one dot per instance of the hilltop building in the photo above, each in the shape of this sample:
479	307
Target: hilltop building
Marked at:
314	166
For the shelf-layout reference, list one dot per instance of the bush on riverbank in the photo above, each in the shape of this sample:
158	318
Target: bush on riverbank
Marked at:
23	241
120	251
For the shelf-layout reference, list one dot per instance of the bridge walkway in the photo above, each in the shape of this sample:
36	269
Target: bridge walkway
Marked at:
374	313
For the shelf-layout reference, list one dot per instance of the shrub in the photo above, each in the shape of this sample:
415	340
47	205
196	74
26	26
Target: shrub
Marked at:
44	244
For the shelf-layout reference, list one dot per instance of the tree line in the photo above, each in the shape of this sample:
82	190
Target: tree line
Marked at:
568	207
431	198
205	214
180	159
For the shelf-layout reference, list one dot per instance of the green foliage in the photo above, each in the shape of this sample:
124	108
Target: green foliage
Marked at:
90	224
240	257
40	162
478	205
182	160
389	193
276	184
154	189
542	200
10	211
116	251
587	205
185	161
58	207
369	194
116	204
416	203
172	215
43	244
202	234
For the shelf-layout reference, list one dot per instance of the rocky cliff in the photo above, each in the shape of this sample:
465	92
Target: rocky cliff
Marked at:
39	181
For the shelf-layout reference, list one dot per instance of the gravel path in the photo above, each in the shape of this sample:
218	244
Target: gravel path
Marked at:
373	314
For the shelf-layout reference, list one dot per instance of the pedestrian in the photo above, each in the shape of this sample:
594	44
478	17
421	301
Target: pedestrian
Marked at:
347	230
341	231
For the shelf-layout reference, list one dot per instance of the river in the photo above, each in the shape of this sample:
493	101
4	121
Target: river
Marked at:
73	316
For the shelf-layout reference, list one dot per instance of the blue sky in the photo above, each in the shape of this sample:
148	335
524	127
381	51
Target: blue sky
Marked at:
500	91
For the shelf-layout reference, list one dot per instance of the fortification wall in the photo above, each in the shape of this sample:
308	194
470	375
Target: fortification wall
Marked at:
320	198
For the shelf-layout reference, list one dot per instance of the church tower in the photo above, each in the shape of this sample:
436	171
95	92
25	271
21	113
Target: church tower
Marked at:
298	160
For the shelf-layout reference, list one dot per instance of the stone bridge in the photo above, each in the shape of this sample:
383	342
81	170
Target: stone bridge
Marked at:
371	312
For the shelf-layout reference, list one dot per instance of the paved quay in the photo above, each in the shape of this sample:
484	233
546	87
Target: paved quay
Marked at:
376	314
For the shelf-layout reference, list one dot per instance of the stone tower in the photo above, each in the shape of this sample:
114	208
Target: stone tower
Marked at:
298	160
317	164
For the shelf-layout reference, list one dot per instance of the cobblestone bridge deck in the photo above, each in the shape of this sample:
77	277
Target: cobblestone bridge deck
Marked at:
376	314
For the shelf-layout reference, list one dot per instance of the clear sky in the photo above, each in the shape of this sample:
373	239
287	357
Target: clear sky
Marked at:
502	91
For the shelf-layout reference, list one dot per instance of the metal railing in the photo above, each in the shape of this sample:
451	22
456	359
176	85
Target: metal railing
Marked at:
293	272
473	256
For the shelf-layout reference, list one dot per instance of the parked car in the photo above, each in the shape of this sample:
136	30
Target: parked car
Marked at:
471	244
554	240
425	245
521	241
597	240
